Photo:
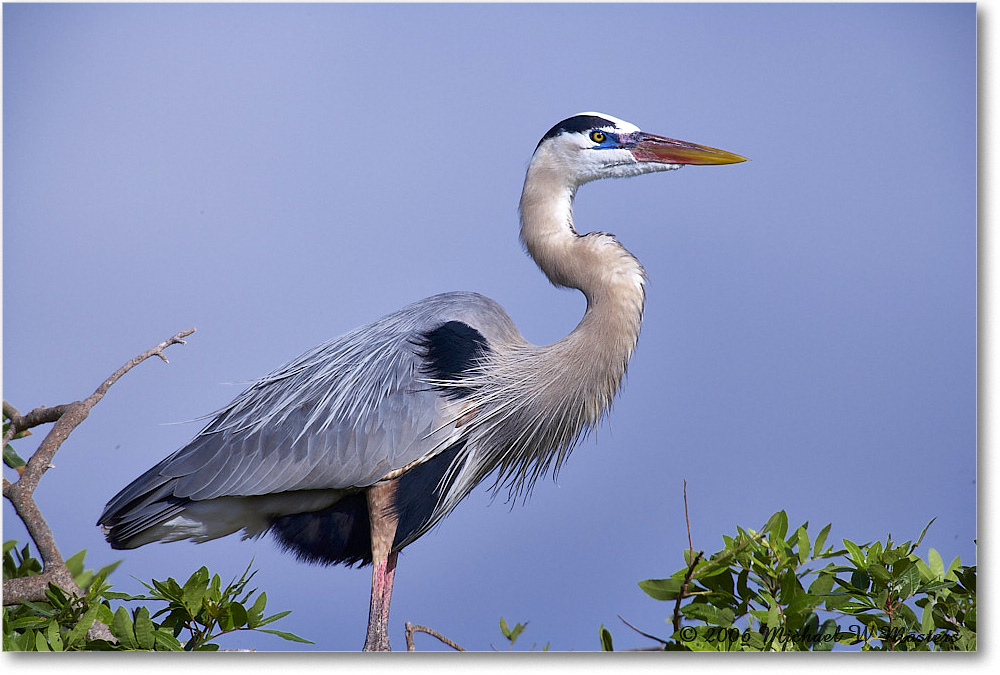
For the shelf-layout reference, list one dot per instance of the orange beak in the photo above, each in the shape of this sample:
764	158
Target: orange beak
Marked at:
651	148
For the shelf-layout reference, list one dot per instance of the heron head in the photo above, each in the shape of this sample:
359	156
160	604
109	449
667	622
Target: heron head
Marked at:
593	145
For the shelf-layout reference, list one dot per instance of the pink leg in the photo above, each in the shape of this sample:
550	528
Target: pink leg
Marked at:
381	498
383	572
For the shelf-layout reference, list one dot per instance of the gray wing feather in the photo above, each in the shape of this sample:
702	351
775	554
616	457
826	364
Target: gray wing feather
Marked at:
342	415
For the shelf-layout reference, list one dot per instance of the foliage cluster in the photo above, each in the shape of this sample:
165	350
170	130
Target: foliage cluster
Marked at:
769	590
196	613
511	634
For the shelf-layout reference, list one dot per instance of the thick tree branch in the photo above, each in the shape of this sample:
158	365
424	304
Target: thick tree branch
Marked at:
21	424
20	493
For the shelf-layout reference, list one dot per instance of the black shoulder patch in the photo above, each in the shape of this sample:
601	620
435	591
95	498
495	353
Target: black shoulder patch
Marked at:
450	351
574	124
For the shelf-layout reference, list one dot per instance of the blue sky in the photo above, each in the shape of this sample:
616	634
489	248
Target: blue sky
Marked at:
277	175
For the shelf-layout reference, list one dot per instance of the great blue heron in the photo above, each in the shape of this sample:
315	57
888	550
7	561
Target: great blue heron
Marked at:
355	449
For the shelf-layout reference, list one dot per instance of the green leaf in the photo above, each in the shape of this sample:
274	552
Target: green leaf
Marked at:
55	639
662	589
907	617
742	588
214	588
907	581
822	585
827	636
79	632
145	633
967	577
934	586
115	595
788	586
168	590
835	600
777	525
56	595
606	643
773	617
224	617
935	563
709	614
121	627
874	554
210	647
721	586
102	574
926	527
12	459
803	544
953	568
238	614
857	555
286	636
879	573
927	619
195	588
165	641
255	612
820	540
41	608
504	628
75	563
274	617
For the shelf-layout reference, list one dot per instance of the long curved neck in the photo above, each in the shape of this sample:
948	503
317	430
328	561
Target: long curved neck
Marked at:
609	276
584	369
532	403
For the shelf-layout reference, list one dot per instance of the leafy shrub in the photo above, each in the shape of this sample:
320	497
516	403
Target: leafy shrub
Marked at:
769	590
196	613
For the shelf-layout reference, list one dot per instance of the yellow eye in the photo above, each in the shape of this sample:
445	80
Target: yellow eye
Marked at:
598	136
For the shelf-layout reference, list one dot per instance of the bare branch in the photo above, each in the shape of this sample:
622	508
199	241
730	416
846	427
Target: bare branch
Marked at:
412	628
686	518
651	637
10	411
21	424
75	413
20	493
690	573
683	592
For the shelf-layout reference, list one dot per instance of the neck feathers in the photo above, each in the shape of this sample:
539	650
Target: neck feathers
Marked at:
533	403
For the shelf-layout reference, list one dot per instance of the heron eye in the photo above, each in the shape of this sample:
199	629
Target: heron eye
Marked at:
598	136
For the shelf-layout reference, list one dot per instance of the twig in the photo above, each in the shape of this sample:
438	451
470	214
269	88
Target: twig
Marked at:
694	563
683	592
20	493
686	518
651	637
412	628
75	413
